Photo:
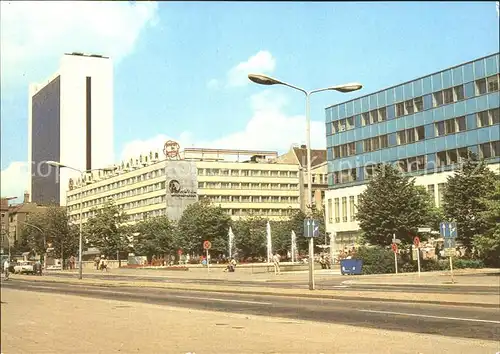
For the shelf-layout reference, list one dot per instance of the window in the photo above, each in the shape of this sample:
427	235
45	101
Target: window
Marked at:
351	149
438	98
344	209
400	109
459	92
350	122
403	165
342	125
375	143
352	210
492	82
461	124
448	95
419	104
452	157
495	148
410	136
421	162
343	150
483	119
441	158
485	151
440	128
365	119
330	211
495	115
463	153
449	126
383	141
401	137
480	87
336	152
382	114
367	145
420	133
409	107
337	210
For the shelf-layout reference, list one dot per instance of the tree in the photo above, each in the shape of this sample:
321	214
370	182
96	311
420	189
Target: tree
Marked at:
250	237
462	199
202	221
488	244
107	230
156	237
392	204
50	227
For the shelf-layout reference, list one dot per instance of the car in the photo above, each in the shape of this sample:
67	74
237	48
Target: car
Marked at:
24	267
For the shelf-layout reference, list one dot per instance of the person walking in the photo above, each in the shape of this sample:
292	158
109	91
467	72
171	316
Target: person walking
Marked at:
6	266
276	263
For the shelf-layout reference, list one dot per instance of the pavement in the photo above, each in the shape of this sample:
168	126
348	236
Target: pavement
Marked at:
148	322
488	297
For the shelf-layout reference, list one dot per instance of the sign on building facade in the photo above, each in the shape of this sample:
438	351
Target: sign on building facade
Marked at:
181	186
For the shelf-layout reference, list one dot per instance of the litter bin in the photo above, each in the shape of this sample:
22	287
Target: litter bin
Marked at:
351	266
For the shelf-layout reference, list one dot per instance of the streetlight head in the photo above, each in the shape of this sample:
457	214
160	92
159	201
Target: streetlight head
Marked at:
263	79
353	86
55	164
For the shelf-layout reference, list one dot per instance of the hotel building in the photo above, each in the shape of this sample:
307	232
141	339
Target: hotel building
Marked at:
70	120
149	187
426	125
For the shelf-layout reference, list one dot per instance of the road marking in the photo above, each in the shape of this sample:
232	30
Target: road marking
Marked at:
223	300
430	316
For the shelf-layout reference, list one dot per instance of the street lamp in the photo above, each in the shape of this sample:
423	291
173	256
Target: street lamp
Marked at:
350	87
83	175
44	242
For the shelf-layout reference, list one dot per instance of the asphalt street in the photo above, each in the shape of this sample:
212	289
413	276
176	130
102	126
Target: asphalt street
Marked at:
452	321
322	284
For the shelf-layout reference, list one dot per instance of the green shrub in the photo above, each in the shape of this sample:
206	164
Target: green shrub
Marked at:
467	263
376	260
409	267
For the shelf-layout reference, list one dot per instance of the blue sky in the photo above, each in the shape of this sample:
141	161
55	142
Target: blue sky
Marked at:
180	67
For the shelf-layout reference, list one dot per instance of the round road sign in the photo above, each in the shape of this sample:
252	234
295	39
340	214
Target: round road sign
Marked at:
416	241
179	252
207	245
394	247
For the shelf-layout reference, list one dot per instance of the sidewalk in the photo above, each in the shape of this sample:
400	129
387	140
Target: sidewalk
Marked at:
57	323
431	298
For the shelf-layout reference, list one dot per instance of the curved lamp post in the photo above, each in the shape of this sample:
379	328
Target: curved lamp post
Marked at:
345	88
83	174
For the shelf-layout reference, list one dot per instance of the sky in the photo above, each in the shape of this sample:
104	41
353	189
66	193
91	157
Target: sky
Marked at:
180	68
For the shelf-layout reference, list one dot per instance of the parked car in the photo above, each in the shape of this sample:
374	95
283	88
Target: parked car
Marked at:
24	267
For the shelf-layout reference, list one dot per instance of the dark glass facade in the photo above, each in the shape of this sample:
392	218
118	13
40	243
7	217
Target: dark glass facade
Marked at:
46	143
424	126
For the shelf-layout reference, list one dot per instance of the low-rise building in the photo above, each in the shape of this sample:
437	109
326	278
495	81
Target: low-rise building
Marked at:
149	187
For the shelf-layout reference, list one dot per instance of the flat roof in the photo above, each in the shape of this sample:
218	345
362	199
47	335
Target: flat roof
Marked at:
418	78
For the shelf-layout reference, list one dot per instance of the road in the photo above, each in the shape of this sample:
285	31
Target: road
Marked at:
336	282
451	321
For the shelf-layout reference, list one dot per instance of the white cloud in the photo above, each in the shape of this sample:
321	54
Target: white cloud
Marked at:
213	84
269	128
14	180
262	62
35	34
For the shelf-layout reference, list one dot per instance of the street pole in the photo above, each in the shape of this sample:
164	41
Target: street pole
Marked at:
418	259
80	241
451	269
208	263
309	190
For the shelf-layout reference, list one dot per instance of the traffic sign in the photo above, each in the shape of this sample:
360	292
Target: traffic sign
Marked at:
448	229
449	252
424	229
311	228
416	241
449	243
179	252
207	245
394	248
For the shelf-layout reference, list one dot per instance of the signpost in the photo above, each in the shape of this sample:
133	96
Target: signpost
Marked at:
395	250
206	246
311	230
416	242
449	232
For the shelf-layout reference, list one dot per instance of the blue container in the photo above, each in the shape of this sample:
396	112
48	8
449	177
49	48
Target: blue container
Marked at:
351	266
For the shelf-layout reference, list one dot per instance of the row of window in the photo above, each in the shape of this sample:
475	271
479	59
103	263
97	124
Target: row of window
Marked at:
252	199
419	163
334	209
419	104
245	173
411	135
248	186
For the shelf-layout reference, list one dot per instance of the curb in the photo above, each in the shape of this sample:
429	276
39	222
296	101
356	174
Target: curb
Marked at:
358	282
300	295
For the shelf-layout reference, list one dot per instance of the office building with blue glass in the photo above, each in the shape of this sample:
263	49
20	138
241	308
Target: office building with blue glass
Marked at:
425	126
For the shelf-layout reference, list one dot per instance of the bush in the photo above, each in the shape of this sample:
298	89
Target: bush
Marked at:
376	260
467	263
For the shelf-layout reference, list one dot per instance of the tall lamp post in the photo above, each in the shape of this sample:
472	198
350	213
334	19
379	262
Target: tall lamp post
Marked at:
345	88
83	174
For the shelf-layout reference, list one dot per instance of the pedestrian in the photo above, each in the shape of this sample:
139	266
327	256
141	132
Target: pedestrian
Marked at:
276	263
6	266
